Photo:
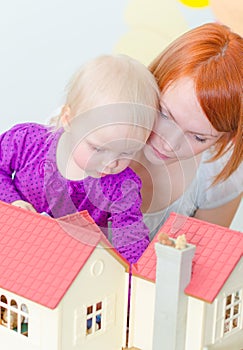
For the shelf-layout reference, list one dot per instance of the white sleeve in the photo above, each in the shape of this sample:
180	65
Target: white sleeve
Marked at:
210	196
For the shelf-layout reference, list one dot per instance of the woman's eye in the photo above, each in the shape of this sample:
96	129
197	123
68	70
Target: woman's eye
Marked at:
95	148
200	139
164	116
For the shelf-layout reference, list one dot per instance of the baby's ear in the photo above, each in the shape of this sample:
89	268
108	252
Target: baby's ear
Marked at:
66	117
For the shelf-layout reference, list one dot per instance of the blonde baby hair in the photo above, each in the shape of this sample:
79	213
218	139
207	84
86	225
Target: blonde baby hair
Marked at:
114	79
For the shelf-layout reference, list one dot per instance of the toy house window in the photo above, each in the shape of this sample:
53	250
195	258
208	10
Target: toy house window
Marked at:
232	316
14	316
94	318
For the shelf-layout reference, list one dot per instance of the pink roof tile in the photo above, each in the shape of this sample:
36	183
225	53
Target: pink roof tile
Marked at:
218	250
40	256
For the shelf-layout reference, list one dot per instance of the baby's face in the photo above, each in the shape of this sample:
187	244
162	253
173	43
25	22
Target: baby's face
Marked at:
109	149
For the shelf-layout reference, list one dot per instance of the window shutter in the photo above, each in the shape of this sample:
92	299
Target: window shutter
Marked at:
80	319
109	311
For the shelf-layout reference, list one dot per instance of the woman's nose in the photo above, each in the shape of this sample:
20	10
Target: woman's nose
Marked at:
173	138
171	144
170	135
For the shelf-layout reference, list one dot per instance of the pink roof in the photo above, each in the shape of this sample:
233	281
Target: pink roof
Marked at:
41	256
218	250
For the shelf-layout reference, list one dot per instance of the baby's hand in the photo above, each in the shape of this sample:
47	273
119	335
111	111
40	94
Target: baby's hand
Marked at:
24	205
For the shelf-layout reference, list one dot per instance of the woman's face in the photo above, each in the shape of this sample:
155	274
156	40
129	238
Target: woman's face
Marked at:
182	129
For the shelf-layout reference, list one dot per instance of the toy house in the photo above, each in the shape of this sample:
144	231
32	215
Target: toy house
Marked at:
62	285
194	301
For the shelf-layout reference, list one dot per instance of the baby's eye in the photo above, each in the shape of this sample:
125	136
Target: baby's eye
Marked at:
200	139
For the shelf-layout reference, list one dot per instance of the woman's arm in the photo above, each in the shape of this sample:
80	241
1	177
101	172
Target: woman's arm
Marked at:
222	215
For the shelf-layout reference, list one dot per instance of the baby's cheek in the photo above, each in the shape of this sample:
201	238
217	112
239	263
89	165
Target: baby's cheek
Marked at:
81	157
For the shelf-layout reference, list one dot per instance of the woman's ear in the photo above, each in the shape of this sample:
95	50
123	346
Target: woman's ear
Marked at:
66	117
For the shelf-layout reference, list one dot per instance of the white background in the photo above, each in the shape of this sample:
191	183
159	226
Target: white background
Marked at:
42	44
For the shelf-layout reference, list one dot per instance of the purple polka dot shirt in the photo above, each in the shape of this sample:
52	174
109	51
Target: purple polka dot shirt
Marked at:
28	172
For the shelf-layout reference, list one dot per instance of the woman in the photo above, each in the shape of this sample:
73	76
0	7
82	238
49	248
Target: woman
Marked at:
192	163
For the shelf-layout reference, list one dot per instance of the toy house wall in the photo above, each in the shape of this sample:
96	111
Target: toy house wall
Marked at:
215	335
205	321
141	314
102	279
195	323
43	326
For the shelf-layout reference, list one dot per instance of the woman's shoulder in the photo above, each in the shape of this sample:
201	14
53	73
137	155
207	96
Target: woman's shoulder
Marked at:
209	169
211	196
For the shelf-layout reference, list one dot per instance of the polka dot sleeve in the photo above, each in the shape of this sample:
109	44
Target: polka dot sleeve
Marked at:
19	148
130	236
11	146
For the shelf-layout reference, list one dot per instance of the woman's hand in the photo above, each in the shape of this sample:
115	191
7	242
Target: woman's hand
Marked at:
24	205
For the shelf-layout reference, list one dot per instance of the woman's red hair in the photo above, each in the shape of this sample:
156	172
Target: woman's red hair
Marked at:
212	55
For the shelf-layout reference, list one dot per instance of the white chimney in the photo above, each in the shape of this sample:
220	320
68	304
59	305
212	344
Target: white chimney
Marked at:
173	273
